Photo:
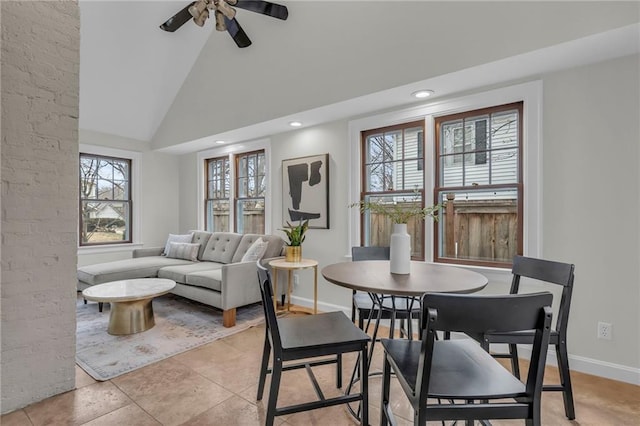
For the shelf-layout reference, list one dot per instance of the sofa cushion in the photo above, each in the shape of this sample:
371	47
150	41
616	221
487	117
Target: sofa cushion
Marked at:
256	251
141	267
274	246
176	238
221	247
178	273
206	279
186	251
202	238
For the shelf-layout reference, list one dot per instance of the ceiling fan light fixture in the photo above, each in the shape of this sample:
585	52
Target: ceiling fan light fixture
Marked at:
221	25
197	9
225	9
200	20
424	93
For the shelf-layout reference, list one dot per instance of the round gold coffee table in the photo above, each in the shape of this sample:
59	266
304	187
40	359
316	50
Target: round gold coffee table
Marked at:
131	308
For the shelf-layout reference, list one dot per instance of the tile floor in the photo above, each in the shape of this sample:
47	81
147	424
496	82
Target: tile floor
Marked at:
216	385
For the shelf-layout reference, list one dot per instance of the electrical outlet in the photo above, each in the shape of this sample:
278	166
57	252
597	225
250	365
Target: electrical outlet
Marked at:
296	279
605	330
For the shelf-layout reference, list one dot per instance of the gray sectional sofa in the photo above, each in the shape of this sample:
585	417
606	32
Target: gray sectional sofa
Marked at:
218	278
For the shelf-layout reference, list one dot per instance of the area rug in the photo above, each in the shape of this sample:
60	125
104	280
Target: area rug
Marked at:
181	325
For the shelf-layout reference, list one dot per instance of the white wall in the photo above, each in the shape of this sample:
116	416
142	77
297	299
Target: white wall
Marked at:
590	152
40	78
157	197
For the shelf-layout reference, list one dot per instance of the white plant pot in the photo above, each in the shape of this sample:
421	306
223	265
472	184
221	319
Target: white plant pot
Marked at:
400	249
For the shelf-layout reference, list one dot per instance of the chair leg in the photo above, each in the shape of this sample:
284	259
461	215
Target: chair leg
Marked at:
266	352
364	387
339	371
99	306
276	374
565	380
353	307
515	366
386	383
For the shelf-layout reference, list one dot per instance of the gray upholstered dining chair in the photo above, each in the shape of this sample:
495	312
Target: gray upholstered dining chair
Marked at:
314	340
458	379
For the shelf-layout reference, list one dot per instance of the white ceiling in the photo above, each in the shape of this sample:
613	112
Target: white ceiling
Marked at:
139	82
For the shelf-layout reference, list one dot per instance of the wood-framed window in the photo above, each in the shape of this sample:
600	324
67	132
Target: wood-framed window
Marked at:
105	200
217	203
250	192
393	168
479	183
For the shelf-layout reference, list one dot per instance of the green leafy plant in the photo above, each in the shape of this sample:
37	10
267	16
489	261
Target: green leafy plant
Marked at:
295	233
399	211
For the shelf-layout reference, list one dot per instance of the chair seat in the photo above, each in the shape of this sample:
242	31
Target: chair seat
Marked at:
363	302
314	332
452	375
517	337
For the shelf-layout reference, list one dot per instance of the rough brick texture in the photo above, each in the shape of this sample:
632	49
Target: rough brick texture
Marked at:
39	171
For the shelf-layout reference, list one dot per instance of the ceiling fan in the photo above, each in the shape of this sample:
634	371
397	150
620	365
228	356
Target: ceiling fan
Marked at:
224	15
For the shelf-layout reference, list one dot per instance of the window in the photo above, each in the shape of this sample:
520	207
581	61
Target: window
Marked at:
217	197
479	184
105	200
393	166
250	192
235	192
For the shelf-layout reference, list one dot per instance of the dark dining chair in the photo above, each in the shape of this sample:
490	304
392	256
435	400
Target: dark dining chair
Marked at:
458	379
551	272
318	339
393	307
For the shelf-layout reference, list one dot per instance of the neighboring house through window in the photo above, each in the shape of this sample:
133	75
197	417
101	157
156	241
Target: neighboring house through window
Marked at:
105	200
478	182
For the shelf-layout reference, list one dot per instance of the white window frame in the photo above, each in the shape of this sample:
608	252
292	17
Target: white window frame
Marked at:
135	173
232	151
530	93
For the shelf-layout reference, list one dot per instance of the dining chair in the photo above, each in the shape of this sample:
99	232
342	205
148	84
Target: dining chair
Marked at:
458	379
392	306
318	339
551	272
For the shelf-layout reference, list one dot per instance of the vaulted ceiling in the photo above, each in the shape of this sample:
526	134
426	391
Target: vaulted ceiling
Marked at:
329	60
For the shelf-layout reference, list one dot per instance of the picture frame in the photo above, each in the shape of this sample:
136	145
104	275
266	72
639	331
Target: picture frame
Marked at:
305	190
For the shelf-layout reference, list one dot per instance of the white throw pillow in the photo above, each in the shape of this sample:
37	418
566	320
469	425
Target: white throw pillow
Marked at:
176	238
256	251
186	251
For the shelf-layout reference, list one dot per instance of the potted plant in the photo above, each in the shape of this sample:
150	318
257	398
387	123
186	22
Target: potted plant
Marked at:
296	236
400	212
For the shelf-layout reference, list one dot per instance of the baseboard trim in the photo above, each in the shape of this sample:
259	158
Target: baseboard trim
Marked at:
608	370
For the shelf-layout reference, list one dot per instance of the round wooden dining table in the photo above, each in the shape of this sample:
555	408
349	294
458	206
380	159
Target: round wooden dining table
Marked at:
373	276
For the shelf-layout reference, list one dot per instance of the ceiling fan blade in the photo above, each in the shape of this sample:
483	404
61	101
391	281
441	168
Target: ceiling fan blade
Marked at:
237	33
178	20
266	8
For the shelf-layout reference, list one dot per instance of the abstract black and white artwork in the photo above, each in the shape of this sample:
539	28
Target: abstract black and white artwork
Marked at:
305	190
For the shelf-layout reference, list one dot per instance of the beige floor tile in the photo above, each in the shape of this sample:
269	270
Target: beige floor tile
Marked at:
171	392
79	406
82	378
16	418
234	411
128	415
204	356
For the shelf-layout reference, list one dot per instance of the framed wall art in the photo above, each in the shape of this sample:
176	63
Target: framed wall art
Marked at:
305	190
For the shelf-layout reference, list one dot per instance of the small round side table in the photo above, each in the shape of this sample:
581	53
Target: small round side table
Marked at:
290	267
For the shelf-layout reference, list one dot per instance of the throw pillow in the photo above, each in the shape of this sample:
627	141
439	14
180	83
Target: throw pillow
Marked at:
255	251
176	238
186	251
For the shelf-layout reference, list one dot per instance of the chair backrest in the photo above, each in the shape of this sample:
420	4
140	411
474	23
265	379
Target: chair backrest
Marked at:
551	272
266	290
370	253
479	314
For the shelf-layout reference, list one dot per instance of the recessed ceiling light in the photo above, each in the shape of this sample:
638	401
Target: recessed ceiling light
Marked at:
295	124
422	94
219	141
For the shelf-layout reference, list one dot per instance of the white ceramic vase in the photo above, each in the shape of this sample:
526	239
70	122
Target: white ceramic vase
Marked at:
400	249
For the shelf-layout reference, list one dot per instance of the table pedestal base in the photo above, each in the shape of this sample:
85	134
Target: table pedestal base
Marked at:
131	317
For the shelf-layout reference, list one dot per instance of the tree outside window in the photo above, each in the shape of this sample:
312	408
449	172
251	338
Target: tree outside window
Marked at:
393	172
479	185
105	200
217	206
250	192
